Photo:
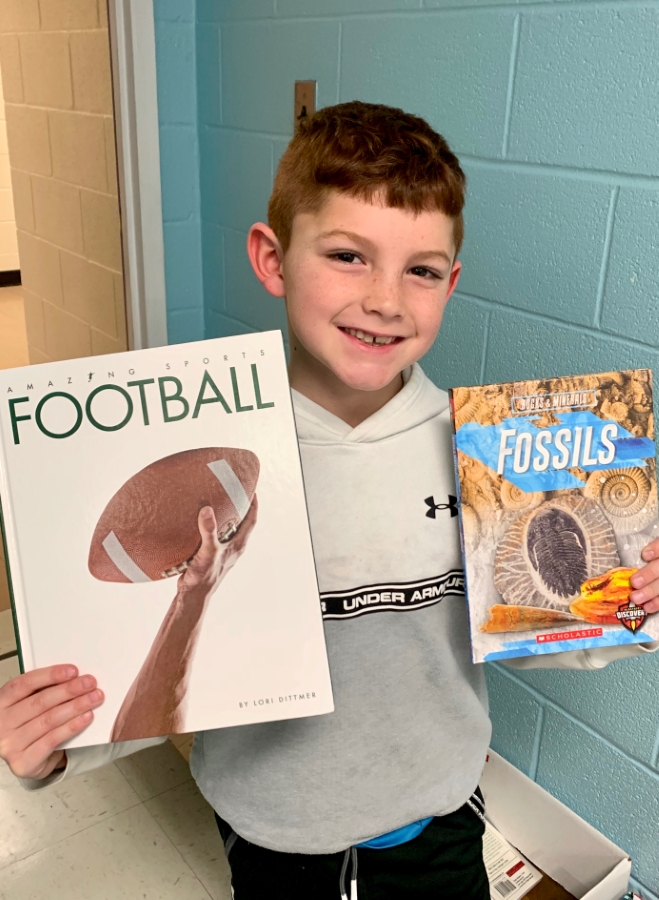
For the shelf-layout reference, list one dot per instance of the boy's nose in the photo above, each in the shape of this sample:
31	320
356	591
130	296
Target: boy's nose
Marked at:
384	297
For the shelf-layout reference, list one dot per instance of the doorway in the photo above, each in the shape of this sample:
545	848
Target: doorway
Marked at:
13	337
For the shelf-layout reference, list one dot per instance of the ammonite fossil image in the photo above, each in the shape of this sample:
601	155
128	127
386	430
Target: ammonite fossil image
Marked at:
515	498
626	496
548	553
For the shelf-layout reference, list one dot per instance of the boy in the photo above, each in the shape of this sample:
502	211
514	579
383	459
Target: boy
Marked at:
365	228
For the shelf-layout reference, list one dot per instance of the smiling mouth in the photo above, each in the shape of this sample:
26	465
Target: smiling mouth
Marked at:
377	340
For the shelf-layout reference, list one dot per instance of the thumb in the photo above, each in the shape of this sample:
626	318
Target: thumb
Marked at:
207	525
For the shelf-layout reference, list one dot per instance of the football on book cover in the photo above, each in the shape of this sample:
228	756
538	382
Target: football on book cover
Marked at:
557	499
157	535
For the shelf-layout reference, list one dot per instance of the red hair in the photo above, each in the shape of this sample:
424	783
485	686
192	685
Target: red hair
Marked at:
364	149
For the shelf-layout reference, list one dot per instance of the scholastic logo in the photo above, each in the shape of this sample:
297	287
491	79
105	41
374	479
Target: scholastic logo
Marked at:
398	597
569	635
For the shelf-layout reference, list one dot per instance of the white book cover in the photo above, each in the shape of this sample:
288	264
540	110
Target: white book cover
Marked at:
105	466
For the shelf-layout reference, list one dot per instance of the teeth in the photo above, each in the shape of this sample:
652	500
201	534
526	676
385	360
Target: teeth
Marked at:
369	338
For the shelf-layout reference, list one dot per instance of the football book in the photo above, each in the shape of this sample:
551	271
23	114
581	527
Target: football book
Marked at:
108	465
557	498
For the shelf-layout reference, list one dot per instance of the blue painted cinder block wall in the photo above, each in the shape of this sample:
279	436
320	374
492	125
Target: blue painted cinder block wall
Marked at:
176	59
553	109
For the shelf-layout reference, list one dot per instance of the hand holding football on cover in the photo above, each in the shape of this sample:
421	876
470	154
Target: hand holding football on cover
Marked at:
154	702
40	711
646	581
213	559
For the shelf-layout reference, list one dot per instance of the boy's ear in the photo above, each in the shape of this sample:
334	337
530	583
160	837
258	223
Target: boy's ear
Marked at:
265	255
454	278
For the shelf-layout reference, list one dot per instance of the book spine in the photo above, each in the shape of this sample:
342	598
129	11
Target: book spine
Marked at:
650	379
12	596
13	563
458	495
457	472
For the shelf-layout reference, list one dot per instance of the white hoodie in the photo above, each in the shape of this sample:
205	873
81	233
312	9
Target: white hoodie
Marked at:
410	732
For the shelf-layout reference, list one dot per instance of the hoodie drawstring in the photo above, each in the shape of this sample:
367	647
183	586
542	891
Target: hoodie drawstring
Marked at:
350	854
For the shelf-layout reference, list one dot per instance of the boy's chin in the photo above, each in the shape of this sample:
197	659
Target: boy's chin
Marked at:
369	381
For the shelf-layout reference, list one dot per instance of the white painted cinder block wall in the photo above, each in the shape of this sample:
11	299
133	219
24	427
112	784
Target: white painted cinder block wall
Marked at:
8	242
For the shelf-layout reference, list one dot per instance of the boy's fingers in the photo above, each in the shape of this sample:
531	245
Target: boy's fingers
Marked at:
54	718
649	592
43	701
32	760
24	685
646	586
645	575
652	606
651	551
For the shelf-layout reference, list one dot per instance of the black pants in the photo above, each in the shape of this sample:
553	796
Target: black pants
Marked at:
445	862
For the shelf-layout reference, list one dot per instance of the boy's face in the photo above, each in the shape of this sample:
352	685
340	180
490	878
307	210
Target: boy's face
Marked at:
366	286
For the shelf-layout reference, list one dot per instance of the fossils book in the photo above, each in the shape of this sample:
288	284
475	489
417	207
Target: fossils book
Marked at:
557	499
157	535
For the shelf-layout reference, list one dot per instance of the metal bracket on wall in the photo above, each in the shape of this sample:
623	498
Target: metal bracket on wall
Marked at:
305	101
133	48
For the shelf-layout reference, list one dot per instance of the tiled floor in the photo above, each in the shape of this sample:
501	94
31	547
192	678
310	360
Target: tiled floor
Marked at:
135	830
13	339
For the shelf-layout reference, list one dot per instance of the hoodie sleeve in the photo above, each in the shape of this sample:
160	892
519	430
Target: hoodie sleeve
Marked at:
587	660
83	759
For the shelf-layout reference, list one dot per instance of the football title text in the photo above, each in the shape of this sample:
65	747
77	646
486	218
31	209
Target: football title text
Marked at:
163	396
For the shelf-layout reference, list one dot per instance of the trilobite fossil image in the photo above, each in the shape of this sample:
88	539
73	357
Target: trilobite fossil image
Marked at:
548	552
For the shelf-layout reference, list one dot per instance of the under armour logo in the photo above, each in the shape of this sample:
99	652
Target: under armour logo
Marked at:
432	512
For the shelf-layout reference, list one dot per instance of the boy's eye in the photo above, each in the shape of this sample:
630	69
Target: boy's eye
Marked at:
345	256
422	272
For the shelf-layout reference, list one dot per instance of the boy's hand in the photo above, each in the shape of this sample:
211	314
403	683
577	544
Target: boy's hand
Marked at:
646	581
39	711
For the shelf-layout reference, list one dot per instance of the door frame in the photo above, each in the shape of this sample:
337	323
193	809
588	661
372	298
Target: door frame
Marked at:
133	50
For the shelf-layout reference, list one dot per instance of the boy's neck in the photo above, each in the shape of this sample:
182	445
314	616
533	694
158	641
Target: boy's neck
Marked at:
349	404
